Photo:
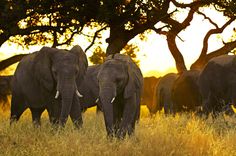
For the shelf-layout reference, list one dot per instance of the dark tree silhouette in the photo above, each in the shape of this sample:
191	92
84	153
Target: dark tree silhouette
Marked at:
29	22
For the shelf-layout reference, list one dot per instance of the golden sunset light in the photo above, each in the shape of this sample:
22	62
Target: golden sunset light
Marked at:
155	57
114	78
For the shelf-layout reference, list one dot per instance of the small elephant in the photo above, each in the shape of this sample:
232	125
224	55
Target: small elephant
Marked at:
185	92
48	79
120	84
149	84
162	95
217	83
89	88
5	87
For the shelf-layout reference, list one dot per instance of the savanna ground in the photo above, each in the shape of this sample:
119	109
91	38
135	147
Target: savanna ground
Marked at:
160	135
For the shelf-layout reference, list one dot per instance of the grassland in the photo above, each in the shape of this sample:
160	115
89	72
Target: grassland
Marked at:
160	135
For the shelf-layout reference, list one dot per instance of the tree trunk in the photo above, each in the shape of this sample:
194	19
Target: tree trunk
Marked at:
117	40
7	62
179	60
115	46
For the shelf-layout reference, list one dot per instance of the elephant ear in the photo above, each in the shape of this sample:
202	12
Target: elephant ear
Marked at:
42	68
135	79
82	62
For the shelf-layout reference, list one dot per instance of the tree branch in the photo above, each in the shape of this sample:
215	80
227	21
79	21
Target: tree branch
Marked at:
7	62
208	18
192	4
94	37
204	57
223	50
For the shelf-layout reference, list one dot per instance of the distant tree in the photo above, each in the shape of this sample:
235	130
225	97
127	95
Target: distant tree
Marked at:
99	55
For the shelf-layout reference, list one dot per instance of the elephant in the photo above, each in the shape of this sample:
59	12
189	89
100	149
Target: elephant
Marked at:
162	95
5	88
120	84
185	92
149	84
48	79
217	84
89	88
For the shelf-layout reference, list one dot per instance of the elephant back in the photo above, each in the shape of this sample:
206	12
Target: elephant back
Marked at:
223	60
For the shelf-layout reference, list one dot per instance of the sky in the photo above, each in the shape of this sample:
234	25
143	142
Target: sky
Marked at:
155	57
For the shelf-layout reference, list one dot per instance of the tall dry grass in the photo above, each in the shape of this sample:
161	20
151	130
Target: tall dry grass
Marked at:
160	135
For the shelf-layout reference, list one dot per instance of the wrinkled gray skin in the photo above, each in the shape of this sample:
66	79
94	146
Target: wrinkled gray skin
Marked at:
120	85
49	79
162	95
217	83
185	92
89	88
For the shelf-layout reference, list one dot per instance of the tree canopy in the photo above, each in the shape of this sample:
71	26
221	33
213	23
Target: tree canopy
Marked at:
29	22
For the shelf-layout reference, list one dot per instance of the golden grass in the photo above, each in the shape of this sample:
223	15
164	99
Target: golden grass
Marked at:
160	135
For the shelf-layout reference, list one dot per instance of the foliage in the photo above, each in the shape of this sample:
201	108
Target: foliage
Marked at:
227	6
99	55
29	22
160	135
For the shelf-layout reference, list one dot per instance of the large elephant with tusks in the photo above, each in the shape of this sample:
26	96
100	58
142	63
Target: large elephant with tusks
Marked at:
120	84
48	79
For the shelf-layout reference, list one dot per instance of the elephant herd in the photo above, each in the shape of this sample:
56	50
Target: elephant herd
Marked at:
212	90
61	82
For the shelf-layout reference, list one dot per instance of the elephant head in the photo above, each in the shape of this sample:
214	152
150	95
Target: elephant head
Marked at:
5	88
162	95
59	73
119	79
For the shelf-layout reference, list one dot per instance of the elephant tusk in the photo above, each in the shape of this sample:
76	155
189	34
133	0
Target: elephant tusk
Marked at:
78	93
97	100
57	94
112	99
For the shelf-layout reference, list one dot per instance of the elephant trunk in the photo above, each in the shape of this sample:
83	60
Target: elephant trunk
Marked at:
107	97
67	89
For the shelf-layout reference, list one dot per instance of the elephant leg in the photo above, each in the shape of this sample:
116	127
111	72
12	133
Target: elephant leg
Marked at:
129	117
76	113
117	110
17	107
36	115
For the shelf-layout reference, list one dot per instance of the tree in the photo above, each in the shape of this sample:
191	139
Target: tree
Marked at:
32	22
29	22
175	27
